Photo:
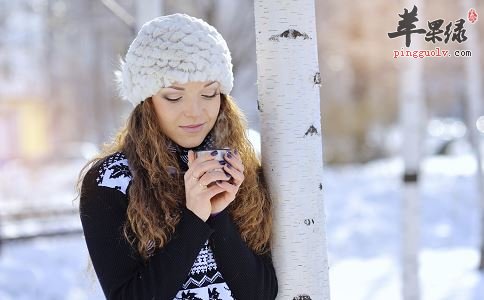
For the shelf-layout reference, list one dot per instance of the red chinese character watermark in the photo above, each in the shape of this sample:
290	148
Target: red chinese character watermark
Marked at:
472	16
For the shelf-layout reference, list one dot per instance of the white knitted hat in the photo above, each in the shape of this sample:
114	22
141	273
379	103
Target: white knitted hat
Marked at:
173	48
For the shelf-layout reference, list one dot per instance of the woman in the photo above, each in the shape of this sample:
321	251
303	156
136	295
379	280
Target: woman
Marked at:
153	228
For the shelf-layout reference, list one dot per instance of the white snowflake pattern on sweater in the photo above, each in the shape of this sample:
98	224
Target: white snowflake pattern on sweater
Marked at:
115	173
204	282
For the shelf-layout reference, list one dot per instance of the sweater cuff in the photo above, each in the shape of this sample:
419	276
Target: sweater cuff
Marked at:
191	225
214	214
220	221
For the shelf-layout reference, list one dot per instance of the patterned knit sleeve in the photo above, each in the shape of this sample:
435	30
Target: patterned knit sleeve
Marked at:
121	271
249	276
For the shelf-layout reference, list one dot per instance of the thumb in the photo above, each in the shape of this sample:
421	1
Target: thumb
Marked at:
190	156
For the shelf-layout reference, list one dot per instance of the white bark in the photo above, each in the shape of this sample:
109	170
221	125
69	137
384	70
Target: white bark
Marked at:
412	120
147	10
410	242
474	108
291	144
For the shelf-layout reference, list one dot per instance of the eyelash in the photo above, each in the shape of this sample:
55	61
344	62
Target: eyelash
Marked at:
176	100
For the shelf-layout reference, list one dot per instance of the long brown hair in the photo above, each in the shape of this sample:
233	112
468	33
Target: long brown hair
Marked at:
155	196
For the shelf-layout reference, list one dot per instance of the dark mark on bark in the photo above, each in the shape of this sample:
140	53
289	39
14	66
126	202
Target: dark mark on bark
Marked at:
308	221
317	79
320	186
289	34
302	297
312	130
410	177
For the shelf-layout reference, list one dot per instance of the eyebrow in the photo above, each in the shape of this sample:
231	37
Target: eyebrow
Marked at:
182	89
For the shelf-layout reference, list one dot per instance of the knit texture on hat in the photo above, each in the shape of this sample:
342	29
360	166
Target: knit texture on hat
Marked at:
173	48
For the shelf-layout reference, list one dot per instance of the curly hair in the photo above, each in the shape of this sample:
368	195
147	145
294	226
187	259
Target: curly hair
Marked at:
155	195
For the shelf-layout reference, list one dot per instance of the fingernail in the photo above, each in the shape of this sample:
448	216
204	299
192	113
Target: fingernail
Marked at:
219	181
222	162
229	165
214	152
228	175
229	155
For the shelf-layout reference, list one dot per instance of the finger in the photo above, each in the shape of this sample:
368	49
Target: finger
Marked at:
189	176
237	154
231	155
233	166
191	155
238	177
237	163
199	164
208	176
208	166
204	157
212	176
230	188
212	191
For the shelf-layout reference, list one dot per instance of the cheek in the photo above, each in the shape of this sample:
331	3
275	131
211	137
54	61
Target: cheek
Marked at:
166	111
165	114
214	110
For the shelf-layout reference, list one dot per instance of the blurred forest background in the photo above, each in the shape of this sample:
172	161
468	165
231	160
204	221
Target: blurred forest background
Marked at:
59	104
58	98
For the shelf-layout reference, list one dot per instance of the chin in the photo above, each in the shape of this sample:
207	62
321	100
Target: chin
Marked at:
193	142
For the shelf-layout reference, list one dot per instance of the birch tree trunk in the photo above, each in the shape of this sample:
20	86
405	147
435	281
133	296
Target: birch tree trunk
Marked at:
291	142
412	117
87	73
474	109
147	10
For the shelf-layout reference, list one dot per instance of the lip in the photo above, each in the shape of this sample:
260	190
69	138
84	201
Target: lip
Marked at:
191	128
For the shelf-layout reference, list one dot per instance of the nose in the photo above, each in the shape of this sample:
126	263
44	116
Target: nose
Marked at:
194	108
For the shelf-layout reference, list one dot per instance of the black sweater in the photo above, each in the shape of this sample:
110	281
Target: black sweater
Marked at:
203	260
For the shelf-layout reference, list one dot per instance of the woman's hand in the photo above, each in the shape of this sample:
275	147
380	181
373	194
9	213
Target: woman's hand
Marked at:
235	168
197	178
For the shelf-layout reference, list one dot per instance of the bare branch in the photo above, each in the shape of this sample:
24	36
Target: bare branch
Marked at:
120	12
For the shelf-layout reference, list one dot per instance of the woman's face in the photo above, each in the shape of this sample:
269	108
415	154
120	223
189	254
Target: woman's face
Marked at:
181	105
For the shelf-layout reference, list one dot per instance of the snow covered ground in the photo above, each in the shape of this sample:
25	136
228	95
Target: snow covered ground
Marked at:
363	227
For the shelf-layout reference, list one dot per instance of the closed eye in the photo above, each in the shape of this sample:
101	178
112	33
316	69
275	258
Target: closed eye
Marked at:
176	99
173	100
212	96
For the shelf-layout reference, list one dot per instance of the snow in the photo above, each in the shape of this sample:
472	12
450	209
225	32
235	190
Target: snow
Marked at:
363	207
47	268
363	228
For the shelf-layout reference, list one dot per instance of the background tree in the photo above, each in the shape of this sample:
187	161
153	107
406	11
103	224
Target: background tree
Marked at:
412	122
473	99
